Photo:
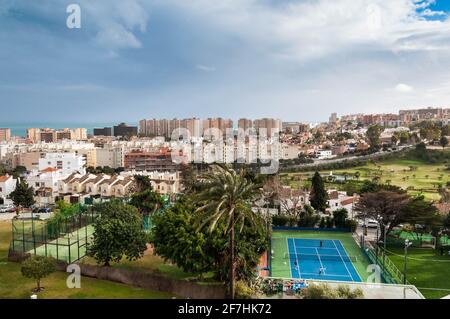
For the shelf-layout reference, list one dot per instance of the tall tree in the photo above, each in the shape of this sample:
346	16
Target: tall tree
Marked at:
141	184
147	202
388	205
340	217
373	136
443	141
118	233
422	215
226	197
176	237
318	195
23	195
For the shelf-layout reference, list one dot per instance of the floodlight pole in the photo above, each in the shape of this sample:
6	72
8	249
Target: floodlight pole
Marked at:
385	240
407	245
376	252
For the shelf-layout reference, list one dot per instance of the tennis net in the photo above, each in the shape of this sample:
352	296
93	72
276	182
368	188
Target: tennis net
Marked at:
297	256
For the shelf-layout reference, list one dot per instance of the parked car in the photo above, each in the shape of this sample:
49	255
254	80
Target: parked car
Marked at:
371	223
7	209
44	210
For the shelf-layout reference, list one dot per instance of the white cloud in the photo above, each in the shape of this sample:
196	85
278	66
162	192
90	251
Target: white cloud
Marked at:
431	13
117	37
205	68
404	88
117	21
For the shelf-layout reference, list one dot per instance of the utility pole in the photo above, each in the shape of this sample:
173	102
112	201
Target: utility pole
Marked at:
407	245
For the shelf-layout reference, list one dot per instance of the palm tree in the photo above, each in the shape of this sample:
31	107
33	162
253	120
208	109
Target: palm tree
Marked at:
225	196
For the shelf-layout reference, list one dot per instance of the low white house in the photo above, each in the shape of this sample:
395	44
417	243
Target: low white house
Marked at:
338	200
162	182
324	154
7	186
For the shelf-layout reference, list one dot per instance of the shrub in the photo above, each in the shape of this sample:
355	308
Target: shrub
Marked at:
245	291
38	267
352	224
280	220
324	291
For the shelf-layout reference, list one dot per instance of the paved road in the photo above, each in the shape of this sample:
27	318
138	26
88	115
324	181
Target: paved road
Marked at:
6	216
371	233
9	216
343	159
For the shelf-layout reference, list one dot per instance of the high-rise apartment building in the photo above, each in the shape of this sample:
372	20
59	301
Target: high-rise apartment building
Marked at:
165	127
333	118
49	135
5	134
105	131
245	124
271	125
217	123
125	130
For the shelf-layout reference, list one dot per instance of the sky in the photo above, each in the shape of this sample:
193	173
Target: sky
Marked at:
298	60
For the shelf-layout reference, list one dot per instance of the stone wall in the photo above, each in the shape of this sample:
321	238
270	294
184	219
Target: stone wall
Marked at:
147	280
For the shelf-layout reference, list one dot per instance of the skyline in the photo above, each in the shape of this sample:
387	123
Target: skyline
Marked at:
295	60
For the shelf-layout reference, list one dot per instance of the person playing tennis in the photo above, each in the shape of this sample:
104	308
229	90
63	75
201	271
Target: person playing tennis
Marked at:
321	271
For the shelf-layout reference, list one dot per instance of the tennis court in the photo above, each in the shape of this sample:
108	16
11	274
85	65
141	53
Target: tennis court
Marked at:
341	257
320	259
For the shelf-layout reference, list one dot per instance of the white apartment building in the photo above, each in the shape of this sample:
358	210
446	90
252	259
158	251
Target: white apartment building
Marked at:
289	151
45	184
324	154
7	186
68	163
109	155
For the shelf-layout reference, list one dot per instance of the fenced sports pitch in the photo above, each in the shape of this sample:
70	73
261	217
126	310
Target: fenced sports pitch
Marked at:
320	259
317	255
65	239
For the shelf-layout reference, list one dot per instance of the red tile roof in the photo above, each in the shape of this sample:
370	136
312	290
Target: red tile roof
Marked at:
49	170
347	201
4	178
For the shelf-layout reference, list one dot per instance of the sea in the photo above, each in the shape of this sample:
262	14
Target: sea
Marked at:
20	129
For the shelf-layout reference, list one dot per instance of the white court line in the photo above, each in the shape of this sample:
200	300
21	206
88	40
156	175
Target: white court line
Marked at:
320	260
357	274
290	266
296	258
331	275
343	260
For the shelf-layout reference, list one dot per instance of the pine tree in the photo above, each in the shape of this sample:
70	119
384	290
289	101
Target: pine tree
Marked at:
318	196
23	195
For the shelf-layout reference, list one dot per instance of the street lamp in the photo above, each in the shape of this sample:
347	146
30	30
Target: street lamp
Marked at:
407	245
377	239
384	241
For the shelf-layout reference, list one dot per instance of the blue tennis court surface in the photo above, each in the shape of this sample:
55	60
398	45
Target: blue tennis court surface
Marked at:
321	260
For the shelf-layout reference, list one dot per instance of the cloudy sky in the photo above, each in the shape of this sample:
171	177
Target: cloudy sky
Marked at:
293	59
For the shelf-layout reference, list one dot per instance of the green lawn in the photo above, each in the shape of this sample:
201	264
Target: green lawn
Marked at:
426	269
279	246
397	172
14	285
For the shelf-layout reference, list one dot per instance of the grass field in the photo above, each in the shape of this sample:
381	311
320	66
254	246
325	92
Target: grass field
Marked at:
14	285
279	246
424	179
426	269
